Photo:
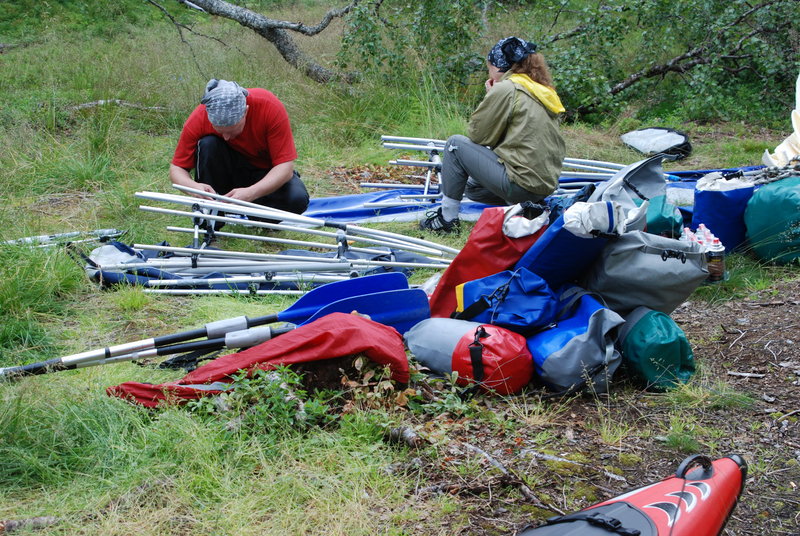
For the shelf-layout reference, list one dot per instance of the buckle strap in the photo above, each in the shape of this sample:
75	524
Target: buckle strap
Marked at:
476	354
597	519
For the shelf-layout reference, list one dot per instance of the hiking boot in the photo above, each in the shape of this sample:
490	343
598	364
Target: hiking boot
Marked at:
434	221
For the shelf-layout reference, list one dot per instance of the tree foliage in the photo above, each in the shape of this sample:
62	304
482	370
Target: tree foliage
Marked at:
708	58
602	53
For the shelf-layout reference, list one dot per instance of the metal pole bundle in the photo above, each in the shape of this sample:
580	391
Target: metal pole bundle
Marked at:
576	172
74	237
250	272
351	232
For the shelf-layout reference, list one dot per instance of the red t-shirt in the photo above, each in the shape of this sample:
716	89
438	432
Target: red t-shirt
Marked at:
266	140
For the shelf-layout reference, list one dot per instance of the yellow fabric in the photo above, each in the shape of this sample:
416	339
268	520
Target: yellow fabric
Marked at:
460	298
548	97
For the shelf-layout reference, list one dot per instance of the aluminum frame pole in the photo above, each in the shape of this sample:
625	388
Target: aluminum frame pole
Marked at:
269	278
355	229
425	144
354	233
284	241
223	254
223	265
233	292
248	255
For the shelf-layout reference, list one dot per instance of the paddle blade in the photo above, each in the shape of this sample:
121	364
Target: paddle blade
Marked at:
400	309
324	295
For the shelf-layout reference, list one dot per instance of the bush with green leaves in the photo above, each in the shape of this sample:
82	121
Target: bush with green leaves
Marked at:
445	396
265	401
703	59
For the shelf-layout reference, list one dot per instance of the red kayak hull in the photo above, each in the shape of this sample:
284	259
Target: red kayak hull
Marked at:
696	501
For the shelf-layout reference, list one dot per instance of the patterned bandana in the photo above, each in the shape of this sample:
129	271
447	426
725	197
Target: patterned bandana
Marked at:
225	102
509	51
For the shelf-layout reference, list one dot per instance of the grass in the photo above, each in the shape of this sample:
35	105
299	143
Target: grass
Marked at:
745	275
703	392
106	467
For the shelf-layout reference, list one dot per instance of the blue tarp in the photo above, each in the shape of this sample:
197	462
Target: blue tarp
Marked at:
350	208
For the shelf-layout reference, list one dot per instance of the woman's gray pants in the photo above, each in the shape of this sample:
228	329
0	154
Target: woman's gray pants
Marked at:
474	170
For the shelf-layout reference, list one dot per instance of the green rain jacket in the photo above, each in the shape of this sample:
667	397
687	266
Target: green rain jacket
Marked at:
522	129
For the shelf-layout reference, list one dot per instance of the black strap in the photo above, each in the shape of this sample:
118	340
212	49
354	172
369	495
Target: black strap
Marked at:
187	361
497	297
635	190
473	310
476	354
597	519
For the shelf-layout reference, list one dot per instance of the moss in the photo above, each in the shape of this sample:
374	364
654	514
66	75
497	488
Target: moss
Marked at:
577	457
534	512
614	470
583	491
628	459
565	468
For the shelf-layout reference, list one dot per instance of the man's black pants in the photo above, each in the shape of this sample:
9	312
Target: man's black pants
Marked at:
224	169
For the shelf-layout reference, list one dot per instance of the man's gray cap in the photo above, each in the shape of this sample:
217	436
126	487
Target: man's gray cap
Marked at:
225	102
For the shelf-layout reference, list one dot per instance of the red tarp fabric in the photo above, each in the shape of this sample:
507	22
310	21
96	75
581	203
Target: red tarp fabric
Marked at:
487	251
334	335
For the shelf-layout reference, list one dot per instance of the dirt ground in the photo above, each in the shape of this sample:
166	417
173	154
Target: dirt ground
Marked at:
534	460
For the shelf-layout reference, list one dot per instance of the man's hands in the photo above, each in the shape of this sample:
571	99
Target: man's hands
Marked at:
180	176
242	194
277	177
204	187
272	181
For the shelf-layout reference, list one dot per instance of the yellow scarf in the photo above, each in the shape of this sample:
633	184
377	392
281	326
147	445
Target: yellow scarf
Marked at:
548	97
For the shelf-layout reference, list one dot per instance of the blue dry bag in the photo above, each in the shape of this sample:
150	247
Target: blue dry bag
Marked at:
517	300
720	205
579	350
559	256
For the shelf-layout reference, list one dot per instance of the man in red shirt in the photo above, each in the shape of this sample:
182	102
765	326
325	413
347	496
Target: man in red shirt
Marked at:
239	143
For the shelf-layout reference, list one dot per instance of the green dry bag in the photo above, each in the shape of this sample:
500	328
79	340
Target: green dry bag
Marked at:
655	350
664	218
772	218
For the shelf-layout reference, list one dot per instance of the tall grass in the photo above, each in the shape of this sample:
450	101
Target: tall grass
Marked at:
96	454
35	284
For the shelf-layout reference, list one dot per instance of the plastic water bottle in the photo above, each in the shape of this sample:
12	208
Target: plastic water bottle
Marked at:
715	258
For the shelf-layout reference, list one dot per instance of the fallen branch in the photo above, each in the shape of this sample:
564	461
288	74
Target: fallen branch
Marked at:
34	523
513	479
277	33
118	102
745	374
464	489
702	54
787	415
551	458
742	334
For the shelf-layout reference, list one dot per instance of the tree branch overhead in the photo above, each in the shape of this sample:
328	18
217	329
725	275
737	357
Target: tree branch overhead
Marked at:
277	33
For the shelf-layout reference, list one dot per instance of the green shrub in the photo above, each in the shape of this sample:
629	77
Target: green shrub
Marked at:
265	402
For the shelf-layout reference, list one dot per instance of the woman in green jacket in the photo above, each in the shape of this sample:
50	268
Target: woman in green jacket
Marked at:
513	151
